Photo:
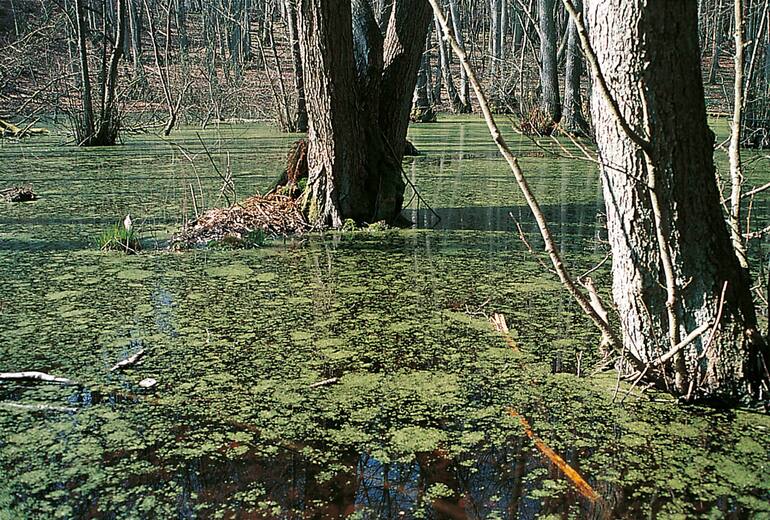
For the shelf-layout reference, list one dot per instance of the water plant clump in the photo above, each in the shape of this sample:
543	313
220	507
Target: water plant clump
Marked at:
120	238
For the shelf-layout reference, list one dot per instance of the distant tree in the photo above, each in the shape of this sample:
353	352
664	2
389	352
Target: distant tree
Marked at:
573	120
100	128
550	101
686	306
300	115
362	80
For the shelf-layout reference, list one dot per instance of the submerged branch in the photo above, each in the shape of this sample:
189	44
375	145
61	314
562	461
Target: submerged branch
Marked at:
38	407
583	487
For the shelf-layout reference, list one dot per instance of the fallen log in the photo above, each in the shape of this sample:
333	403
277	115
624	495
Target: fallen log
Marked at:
8	129
35	376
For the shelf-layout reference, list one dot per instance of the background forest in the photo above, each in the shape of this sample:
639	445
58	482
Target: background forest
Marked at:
193	62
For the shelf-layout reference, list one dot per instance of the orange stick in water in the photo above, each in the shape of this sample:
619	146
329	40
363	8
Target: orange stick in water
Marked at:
582	486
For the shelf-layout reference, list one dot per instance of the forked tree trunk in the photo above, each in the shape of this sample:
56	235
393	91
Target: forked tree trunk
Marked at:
335	154
650	56
362	83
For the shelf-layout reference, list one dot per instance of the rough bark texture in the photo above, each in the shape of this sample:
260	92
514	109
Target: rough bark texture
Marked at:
550	101
335	156
362	83
404	41
85	127
649	54
422	104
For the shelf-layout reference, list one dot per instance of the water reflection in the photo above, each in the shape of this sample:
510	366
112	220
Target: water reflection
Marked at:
432	485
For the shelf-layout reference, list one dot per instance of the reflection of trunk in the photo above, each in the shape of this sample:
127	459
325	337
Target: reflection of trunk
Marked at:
550	103
359	113
517	486
573	120
656	80
334	497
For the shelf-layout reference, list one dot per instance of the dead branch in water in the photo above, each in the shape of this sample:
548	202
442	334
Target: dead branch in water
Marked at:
328	382
501	325
35	376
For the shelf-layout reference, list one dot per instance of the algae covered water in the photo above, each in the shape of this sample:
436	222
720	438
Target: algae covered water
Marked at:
417	424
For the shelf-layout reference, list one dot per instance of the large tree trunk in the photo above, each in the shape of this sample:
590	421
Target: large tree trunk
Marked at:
404	40
335	154
495	37
422	104
108	125
359	114
550	102
664	206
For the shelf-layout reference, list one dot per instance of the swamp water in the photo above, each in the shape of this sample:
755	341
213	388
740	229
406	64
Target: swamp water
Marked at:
418	424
